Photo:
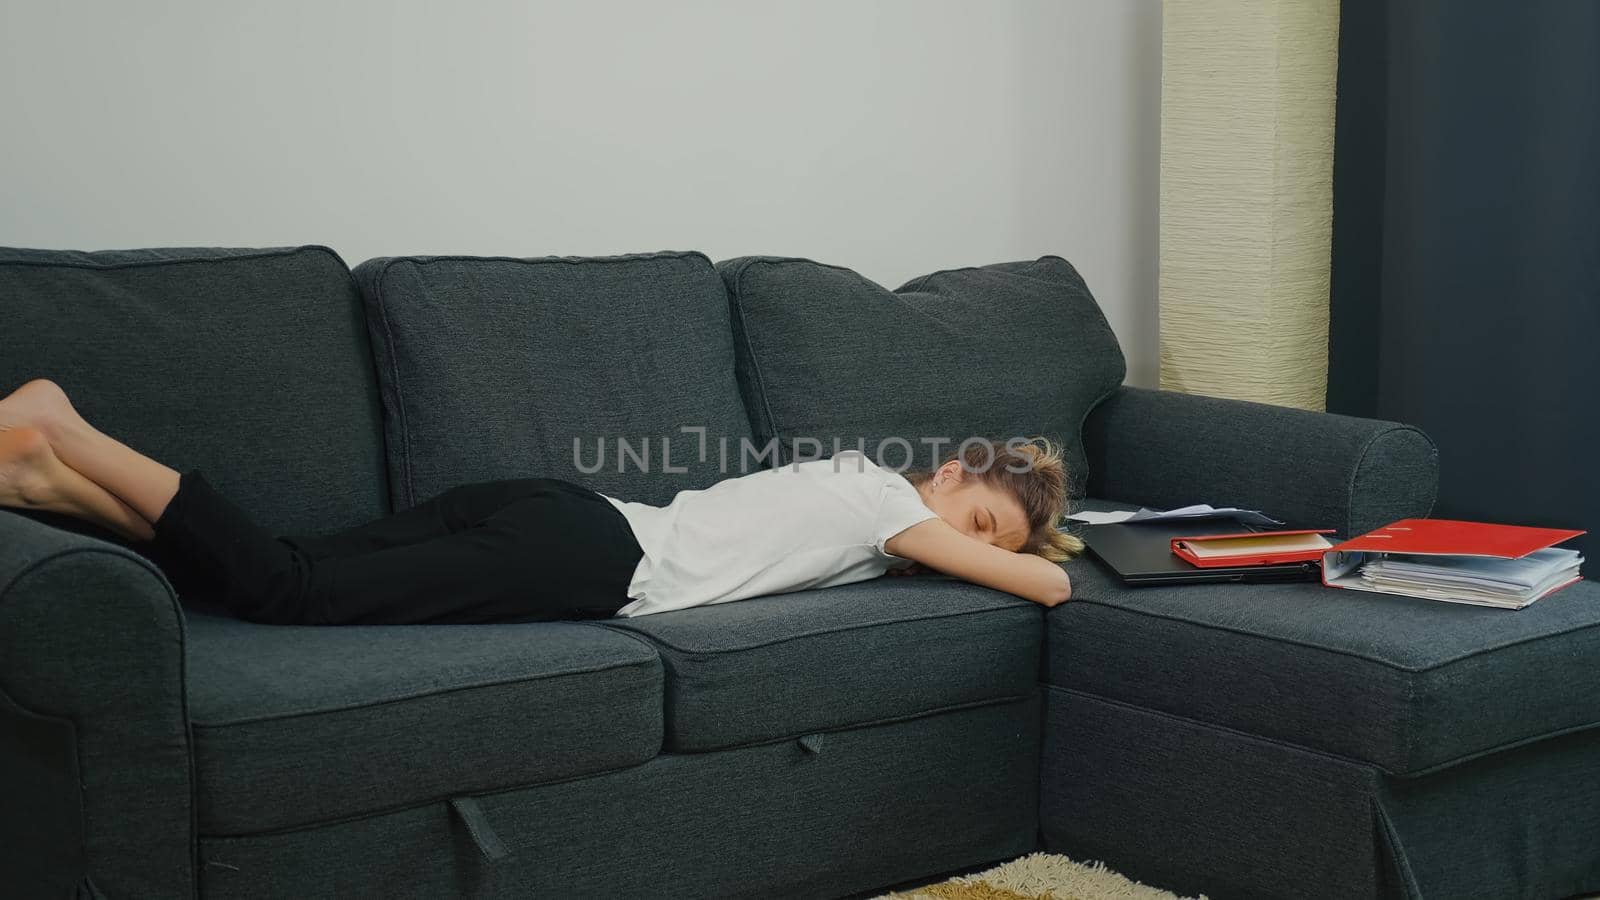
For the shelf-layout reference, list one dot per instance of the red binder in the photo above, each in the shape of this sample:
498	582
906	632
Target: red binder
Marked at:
1437	537
1241	553
1433	537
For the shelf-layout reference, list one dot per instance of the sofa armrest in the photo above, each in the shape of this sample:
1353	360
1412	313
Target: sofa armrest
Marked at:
1165	449
95	761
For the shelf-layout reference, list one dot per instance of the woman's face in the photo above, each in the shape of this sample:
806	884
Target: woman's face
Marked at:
976	508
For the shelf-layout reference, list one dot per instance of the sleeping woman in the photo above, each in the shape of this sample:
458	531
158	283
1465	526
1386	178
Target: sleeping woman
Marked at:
540	549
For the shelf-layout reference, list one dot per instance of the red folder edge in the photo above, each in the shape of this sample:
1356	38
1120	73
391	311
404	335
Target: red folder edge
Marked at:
1440	537
1261	559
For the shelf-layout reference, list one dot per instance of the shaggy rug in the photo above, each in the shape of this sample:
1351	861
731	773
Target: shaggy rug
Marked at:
1038	876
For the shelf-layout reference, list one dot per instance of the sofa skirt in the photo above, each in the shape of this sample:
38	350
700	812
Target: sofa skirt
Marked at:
822	815
1200	809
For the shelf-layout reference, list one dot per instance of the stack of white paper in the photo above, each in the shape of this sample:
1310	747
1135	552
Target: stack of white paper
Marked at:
1482	580
1197	511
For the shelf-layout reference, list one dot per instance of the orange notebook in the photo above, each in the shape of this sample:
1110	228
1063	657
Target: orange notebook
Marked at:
1252	548
1463	562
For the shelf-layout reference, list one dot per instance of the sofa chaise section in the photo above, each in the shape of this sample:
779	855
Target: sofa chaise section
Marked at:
1290	740
1408	686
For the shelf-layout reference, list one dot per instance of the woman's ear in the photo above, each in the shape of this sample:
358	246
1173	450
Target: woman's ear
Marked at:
951	471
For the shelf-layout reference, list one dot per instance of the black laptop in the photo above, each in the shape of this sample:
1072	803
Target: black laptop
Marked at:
1141	554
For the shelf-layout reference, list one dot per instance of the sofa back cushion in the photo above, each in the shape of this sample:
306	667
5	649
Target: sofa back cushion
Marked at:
251	365
493	367
1007	350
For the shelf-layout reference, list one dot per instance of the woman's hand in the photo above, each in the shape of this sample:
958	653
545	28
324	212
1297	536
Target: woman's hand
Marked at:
937	545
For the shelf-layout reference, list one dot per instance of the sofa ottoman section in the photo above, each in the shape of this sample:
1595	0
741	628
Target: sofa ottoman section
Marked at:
1405	684
1292	740
1201	809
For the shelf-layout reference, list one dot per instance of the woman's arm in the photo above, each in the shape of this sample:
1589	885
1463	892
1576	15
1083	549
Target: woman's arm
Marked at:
935	544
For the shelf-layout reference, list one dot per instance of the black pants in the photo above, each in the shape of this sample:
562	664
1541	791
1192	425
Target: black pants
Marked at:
521	550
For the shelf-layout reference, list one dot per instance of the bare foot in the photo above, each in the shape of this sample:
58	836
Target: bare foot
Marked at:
26	466
40	403
33	477
108	471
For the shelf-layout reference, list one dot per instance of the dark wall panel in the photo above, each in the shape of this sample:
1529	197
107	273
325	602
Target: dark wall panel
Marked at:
1466	284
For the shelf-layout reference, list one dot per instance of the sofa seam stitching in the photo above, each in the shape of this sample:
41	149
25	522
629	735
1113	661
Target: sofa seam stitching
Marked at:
425	260
394	370
1217	726
264	253
437	799
755	364
1339	652
867	723
524	786
423	695
1366	450
715	651
1423	772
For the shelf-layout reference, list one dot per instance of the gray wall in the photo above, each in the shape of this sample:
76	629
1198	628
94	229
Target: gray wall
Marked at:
894	137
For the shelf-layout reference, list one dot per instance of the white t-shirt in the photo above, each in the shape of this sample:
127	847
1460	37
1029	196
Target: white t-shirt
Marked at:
816	524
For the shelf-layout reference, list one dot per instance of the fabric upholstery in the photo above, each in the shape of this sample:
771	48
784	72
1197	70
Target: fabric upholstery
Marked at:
1405	684
251	364
297	724
1196	808
1004	350
1165	449
42	789
778	666
857	809
1529	815
91	650
1230	739
493	367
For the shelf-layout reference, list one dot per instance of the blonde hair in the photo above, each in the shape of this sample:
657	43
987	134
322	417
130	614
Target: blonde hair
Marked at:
1035	474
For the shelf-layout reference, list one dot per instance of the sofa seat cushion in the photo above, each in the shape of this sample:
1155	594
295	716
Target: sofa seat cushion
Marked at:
492	367
828	359
1407	685
294	725
786	665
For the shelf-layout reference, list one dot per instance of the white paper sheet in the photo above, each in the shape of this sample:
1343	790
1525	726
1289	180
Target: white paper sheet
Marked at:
1197	511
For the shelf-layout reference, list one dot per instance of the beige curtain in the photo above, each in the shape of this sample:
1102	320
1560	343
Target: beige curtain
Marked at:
1247	95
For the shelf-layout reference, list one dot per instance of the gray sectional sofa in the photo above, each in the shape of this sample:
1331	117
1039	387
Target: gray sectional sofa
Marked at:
1243	741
